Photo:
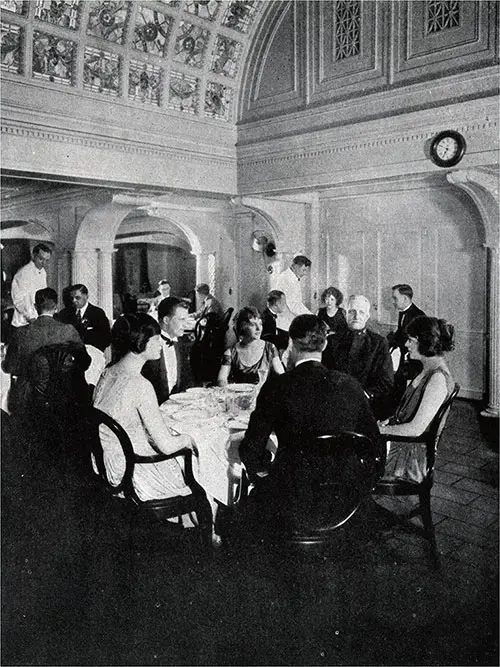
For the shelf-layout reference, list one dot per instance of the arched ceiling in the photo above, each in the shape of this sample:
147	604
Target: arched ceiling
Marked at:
184	56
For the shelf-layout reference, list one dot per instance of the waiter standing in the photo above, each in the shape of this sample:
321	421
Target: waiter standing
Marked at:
288	282
28	280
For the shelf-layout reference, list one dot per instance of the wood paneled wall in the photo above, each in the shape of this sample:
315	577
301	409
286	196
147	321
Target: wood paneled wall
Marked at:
430	238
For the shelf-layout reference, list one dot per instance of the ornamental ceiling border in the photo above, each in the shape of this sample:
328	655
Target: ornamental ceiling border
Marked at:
289	155
10	127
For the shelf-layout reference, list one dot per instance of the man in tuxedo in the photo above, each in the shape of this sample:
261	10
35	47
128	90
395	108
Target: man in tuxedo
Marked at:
363	354
90	321
276	304
305	402
402	297
171	372
45	330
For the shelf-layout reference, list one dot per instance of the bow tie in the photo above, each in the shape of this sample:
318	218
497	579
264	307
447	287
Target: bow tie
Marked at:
167	341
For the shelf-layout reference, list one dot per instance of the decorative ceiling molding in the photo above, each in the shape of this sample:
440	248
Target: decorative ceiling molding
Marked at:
124	146
373	107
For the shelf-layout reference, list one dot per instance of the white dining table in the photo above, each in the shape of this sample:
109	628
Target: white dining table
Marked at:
201	413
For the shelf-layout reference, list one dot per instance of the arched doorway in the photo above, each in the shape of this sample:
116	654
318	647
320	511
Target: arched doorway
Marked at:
146	250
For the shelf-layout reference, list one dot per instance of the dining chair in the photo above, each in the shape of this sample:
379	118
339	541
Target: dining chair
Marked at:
52	407
329	478
399	487
124	496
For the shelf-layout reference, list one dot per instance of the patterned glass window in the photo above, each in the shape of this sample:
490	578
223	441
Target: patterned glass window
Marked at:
108	20
190	44
226	56
347	28
59	13
218	101
239	15
152	30
442	14
144	82
184	92
101	71
211	272
205	9
16	6
11	47
53	58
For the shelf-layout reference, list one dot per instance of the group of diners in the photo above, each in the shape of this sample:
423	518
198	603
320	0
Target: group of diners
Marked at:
322	374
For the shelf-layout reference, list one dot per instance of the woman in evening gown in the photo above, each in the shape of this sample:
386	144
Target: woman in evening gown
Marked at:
250	359
124	394
428	340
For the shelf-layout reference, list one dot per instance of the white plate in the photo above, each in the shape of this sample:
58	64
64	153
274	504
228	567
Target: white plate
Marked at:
196	391
241	387
182	398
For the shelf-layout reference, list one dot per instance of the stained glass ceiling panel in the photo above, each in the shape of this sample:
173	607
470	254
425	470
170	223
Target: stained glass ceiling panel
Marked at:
175	57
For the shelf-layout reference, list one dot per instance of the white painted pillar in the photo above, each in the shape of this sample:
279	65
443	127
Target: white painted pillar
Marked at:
105	282
493	347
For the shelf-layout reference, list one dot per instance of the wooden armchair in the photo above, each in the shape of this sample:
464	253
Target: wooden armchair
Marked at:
125	494
399	487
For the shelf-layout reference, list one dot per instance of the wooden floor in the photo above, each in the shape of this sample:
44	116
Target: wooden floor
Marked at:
161	601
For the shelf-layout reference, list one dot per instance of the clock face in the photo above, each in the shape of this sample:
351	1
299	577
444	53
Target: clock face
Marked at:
447	148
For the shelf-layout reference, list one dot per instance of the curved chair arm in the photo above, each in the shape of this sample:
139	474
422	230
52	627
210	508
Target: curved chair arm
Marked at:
156	458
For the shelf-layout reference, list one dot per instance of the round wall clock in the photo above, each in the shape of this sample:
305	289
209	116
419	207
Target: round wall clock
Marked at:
447	148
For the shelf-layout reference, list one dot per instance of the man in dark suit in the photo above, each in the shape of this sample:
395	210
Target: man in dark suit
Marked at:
45	330
402	297
171	372
90	321
276	304
305	402
363	354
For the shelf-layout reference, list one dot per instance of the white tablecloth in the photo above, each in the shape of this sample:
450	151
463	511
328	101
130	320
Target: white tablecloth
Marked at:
217	438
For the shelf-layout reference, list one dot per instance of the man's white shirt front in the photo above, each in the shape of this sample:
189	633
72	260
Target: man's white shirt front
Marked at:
170	358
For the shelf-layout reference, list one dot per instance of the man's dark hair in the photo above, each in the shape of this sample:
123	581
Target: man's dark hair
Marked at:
166	307
274	296
203	288
404	289
308	333
301	260
45	300
81	288
41	247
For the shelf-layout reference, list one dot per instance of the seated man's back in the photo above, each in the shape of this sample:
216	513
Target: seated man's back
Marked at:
298	406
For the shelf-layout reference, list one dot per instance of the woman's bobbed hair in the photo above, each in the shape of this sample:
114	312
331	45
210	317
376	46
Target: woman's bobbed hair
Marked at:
333	291
243	318
131	333
434	336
